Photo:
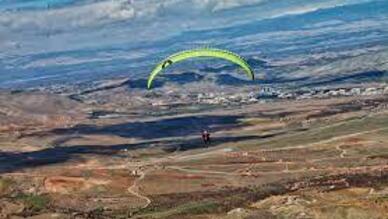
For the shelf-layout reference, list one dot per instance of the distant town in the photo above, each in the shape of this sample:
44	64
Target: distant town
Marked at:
266	94
168	96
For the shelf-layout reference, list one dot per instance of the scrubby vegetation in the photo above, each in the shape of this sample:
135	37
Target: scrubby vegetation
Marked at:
34	203
5	185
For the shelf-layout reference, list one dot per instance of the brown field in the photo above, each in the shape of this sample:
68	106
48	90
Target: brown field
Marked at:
291	159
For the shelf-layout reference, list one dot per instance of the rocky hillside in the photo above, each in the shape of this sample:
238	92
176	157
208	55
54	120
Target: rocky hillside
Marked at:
25	110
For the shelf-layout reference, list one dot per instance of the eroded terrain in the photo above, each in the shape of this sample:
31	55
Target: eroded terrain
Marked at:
316	158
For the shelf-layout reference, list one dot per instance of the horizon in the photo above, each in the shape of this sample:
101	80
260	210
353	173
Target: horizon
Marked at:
65	41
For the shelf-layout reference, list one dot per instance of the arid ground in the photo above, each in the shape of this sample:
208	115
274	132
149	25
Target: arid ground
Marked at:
317	158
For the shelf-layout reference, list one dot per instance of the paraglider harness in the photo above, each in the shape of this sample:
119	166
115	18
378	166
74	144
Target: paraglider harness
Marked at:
206	137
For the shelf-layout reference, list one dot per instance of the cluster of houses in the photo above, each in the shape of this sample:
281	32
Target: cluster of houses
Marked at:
267	93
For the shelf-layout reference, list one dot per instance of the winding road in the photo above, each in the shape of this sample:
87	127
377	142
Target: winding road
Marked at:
157	163
134	190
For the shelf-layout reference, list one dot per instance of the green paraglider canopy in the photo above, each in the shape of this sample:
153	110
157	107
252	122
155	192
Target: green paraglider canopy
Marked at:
203	52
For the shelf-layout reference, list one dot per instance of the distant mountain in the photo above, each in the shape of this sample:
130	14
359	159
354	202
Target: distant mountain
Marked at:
363	77
67	42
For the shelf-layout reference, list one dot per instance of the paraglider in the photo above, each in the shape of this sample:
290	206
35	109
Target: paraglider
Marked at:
203	52
206	137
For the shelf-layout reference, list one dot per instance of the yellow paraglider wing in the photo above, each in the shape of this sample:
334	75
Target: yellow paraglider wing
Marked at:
204	52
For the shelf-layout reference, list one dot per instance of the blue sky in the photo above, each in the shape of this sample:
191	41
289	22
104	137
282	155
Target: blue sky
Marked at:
55	40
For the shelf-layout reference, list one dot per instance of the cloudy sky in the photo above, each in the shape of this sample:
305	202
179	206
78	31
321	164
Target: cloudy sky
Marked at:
56	41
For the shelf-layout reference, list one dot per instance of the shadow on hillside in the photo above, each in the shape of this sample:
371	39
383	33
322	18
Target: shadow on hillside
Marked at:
148	130
10	162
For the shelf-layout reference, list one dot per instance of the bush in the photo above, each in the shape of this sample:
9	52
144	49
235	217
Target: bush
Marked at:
34	202
198	208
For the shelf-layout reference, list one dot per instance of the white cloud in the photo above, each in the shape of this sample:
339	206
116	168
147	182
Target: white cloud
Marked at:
108	11
67	18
